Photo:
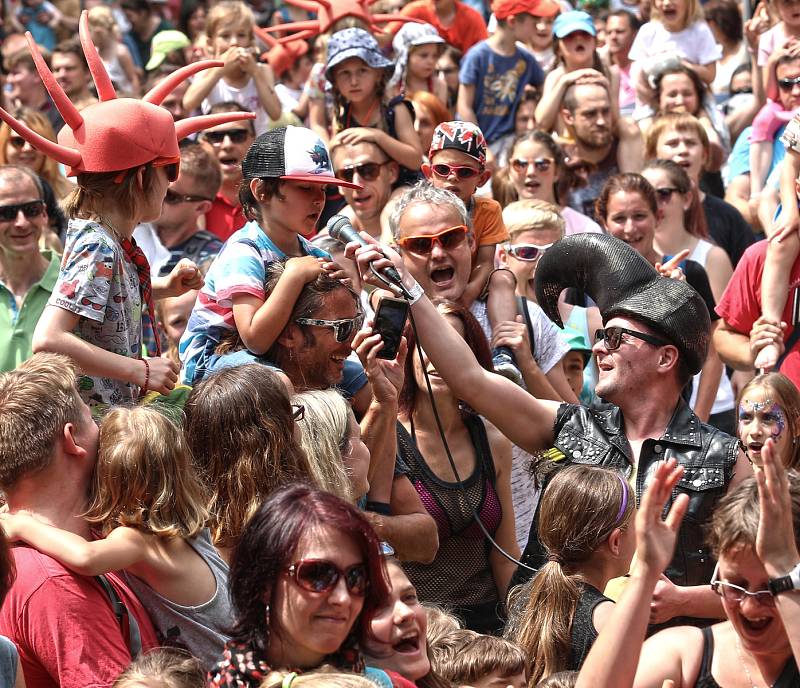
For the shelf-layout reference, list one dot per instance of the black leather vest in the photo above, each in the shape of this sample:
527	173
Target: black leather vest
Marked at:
594	436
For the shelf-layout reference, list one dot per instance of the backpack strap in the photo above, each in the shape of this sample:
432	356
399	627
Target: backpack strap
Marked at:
522	306
122	613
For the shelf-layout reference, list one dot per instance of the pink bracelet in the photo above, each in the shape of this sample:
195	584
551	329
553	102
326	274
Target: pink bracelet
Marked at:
146	377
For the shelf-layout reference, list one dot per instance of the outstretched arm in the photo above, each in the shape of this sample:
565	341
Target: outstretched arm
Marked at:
525	420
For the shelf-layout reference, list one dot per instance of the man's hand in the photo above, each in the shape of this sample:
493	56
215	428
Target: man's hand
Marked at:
385	377
667	601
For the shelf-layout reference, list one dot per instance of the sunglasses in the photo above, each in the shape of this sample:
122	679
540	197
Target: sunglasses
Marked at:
235	135
442	170
173	198
321	576
527	252
664	193
539	164
612	337
342	329
368	171
422	245
172	167
31	209
17	142
298	412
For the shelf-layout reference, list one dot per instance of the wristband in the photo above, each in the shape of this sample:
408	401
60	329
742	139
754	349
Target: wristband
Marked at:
381	508
415	292
146	384
791	581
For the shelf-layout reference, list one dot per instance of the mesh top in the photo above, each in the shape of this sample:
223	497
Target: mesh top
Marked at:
266	157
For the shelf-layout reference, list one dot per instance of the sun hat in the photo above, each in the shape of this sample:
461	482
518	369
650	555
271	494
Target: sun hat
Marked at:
164	42
570	22
462	136
354	43
411	36
294	153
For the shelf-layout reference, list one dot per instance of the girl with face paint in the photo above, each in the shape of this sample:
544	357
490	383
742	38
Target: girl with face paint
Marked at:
769	407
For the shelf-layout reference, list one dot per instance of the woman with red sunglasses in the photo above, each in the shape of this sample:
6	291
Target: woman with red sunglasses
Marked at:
307	568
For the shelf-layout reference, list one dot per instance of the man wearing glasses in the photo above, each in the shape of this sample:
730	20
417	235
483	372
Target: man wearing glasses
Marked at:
27	275
368	165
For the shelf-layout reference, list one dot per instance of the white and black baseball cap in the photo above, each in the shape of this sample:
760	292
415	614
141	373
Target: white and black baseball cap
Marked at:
293	153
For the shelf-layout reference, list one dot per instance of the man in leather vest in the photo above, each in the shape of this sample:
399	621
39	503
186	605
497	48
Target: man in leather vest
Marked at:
655	337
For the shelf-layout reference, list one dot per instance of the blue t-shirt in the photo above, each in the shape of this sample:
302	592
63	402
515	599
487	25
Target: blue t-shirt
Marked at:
739	159
499	82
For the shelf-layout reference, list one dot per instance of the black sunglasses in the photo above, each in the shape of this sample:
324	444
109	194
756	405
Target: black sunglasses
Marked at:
342	329
788	84
173	198
321	576
235	135
612	337
31	209
368	171
17	141
664	193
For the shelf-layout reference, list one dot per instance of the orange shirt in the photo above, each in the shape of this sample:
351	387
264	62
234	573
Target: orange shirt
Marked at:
487	222
467	28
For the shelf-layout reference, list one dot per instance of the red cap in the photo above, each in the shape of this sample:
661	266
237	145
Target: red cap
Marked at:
546	8
503	9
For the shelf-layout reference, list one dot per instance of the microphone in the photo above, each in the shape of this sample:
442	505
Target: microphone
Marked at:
339	228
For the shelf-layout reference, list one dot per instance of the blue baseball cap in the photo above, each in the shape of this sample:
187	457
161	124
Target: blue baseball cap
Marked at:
570	22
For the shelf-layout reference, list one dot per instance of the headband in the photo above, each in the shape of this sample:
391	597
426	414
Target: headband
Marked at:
624	505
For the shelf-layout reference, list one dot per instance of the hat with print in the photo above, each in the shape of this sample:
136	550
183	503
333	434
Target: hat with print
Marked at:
462	136
411	36
354	43
503	9
570	22
291	153
164	42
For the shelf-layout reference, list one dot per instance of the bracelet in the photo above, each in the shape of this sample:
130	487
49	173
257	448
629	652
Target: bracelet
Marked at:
415	292
146	384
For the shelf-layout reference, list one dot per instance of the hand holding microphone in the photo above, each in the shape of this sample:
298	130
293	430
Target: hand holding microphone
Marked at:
340	228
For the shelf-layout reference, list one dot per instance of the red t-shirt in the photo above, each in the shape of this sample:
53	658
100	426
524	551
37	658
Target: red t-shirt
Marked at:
740	305
467	28
64	627
224	218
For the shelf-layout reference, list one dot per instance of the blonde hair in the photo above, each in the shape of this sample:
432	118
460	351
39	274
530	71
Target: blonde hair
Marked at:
580	509
532	215
320	678
694	13
229	12
144	477
101	17
37	399
170	667
325	429
465	657
50	170
440	624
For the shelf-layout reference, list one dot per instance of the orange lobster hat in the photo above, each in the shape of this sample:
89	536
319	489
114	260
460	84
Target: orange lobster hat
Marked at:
281	56
116	133
331	11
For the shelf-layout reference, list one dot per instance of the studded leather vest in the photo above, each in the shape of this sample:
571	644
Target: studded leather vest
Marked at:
595	436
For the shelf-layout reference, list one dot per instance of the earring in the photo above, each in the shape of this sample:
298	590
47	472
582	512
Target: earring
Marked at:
266	614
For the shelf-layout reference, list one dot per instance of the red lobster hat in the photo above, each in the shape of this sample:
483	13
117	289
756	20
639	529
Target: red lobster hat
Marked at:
116	133
281	56
331	11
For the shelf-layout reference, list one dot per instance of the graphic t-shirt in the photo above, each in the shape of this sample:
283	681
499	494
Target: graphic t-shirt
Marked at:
499	81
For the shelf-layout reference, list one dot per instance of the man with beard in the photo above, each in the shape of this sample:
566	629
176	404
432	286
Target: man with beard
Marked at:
595	140
311	351
655	337
366	164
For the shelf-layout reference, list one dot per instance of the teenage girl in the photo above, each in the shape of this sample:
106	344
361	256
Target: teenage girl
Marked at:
148	503
359	74
586	525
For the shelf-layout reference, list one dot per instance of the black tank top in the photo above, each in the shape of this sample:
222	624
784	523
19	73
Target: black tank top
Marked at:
583	631
789	677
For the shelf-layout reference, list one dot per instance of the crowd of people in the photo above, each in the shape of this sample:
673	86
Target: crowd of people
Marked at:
574	459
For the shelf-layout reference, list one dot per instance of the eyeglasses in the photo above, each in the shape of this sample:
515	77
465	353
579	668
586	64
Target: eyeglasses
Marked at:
321	576
342	329
539	164
612	337
173	198
530	253
298	412
788	84
235	135
17	142
368	171
422	245
442	170
30	209
664	193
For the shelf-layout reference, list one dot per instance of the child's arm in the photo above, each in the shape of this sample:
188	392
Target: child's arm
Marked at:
260	323
630	151
484	264
317	119
54	333
184	277
402	149
707	72
121	549
264	79
203	83
789	219
465	103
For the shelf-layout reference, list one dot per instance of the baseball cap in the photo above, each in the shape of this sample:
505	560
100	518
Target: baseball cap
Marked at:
463	136
570	22
546	8
578	340
358	43
503	9
293	153
164	42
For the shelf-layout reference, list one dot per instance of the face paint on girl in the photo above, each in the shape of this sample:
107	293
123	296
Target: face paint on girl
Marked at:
761	418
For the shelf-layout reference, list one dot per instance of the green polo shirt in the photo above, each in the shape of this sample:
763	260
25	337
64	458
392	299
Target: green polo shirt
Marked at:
17	325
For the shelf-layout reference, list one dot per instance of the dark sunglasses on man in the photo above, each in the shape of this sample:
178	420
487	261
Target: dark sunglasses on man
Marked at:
342	329
172	198
612	337
368	171
422	244
30	209
235	135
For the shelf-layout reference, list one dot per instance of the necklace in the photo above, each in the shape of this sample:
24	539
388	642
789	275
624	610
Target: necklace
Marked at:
368	116
744	666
